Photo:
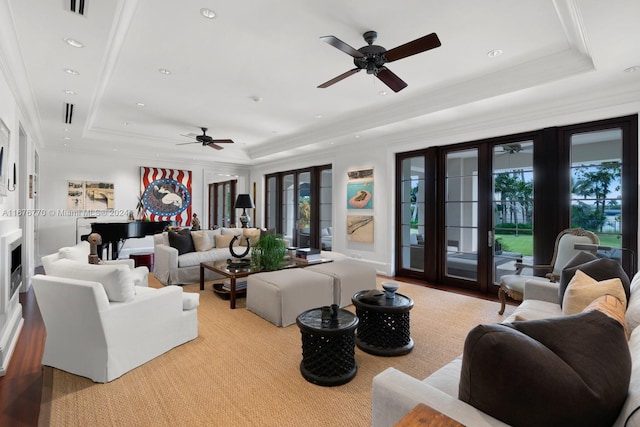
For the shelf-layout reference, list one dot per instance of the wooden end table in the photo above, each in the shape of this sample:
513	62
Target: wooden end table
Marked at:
423	415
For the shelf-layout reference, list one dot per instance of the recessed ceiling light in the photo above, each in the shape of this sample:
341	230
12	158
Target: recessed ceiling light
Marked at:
125	124
164	71
633	69
66	129
493	53
207	13
140	104
71	71
382	93
66	138
73	42
318	116
66	145
357	136
69	92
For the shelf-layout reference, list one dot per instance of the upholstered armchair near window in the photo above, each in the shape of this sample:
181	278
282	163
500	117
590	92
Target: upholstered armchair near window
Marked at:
512	285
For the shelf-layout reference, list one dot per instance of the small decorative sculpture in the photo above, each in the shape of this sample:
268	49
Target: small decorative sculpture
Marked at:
195	222
94	240
241	261
390	289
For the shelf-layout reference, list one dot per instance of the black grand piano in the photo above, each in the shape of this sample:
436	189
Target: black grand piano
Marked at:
113	233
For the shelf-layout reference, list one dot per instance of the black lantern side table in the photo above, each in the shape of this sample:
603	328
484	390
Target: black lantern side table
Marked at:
384	328
328	349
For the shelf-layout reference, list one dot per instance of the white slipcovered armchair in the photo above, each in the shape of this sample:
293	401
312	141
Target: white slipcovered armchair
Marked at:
80	252
103	327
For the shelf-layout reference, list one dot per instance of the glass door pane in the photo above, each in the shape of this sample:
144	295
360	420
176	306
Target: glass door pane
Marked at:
412	199
461	214
220	206
288	208
512	207
596	185
326	228
304	210
228	204
271	220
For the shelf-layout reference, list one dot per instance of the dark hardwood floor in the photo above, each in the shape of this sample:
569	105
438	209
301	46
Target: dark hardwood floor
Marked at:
21	387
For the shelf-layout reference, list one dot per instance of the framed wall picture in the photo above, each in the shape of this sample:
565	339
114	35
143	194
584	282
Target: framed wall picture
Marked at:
87	195
360	189
166	194
360	228
4	157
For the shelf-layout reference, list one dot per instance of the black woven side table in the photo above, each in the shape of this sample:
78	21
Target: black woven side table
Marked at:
384	328
328	350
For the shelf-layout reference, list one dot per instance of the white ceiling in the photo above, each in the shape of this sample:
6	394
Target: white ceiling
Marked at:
251	74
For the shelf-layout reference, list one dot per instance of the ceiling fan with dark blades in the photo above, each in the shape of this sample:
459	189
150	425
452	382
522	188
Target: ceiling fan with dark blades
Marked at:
206	140
372	58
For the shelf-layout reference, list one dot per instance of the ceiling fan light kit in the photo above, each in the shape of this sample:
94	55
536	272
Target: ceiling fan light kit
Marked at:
373	58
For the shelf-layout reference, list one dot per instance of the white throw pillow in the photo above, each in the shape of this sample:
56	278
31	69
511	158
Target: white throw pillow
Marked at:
79	252
116	280
233	231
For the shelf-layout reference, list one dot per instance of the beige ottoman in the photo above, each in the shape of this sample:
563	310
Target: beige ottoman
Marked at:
349	276
280	296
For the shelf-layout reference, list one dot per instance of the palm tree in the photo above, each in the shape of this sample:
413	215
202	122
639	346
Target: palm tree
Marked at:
596	181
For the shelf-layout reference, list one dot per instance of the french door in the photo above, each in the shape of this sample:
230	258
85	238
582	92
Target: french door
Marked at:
468	212
222	196
299	206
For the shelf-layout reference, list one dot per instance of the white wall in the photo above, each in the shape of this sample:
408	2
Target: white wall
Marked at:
57	167
342	159
21	152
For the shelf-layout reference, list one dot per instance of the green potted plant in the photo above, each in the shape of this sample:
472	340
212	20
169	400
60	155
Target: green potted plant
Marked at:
269	252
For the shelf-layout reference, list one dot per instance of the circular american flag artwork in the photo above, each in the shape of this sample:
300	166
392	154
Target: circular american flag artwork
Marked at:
166	197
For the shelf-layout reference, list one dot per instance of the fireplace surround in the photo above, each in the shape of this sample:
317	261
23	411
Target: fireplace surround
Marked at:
11	320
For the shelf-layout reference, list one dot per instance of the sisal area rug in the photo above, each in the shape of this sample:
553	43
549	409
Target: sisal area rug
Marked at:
244	371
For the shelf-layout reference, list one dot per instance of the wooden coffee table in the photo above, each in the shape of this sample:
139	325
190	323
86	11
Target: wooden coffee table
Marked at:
222	268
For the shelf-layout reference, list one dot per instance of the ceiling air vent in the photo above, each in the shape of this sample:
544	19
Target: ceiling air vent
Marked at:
76	6
68	112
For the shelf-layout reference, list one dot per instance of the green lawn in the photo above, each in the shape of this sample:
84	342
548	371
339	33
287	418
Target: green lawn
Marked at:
521	244
524	244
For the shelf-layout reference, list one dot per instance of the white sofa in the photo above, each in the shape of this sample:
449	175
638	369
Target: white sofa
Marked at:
396	393
80	253
90	334
170	268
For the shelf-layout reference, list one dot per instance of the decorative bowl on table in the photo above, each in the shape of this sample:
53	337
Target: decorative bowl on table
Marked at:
390	289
